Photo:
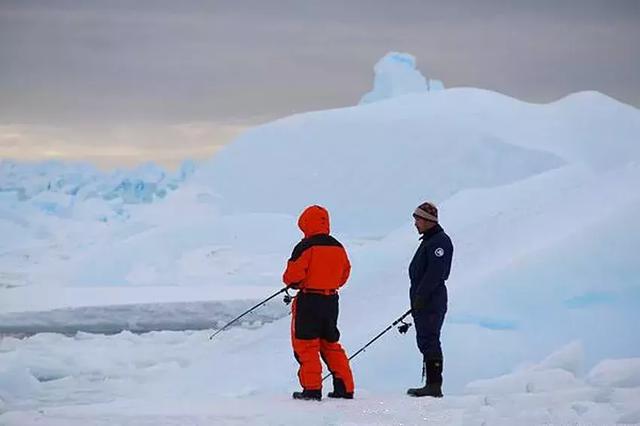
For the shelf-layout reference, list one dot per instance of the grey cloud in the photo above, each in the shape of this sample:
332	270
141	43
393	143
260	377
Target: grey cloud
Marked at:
144	61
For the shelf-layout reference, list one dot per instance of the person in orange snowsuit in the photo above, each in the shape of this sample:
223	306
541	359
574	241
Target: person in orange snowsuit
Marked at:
318	267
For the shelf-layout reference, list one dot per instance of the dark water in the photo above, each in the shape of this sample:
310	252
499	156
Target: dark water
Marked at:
139	318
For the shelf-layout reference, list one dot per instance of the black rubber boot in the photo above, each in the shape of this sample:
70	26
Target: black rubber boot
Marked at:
339	390
433	387
430	389
308	395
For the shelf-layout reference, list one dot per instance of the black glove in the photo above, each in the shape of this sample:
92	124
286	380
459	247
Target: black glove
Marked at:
287	299
417	303
404	327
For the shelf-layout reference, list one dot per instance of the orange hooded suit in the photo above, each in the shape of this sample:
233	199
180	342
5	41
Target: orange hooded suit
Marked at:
318	267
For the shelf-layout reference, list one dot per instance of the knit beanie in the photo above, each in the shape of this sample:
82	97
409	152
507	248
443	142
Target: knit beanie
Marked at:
427	211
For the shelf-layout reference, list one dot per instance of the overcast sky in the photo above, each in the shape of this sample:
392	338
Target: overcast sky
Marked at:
97	71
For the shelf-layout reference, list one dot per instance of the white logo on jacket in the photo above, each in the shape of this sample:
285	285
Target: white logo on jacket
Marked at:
439	252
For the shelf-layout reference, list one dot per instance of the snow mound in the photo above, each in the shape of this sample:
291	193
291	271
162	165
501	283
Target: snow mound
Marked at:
17	383
390	155
396	75
530	381
569	358
557	371
616	373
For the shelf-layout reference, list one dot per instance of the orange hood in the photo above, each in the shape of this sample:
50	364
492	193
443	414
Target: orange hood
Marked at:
314	220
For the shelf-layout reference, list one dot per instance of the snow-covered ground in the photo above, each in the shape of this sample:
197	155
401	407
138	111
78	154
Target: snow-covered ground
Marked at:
541	202
177	378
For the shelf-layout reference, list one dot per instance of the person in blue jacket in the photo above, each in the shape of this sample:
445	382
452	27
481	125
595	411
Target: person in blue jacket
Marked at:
428	271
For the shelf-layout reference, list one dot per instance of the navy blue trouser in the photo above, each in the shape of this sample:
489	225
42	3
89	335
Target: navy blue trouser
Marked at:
428	325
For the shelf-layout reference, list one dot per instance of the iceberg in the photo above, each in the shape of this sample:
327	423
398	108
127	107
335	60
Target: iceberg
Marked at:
396	75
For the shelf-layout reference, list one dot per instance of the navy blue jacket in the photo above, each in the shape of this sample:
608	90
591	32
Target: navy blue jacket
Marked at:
430	268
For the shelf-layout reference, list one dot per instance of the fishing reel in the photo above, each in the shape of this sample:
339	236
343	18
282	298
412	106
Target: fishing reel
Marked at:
287	299
404	327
